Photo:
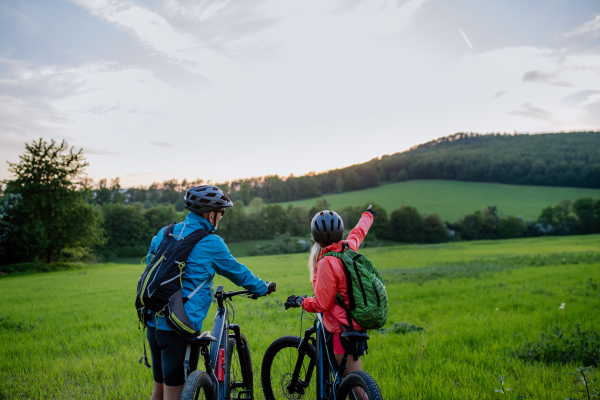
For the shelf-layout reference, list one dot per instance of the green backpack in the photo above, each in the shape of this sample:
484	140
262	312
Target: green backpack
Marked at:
368	302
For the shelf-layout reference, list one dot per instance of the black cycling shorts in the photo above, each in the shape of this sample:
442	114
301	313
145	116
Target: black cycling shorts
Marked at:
168	352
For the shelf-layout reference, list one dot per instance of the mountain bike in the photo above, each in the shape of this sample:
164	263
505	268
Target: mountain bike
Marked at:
290	362
227	362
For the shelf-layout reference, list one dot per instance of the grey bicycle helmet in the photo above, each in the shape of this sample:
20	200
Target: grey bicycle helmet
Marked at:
327	226
201	199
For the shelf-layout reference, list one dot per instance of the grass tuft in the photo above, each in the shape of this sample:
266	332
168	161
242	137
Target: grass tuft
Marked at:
402	327
485	266
562	346
7	324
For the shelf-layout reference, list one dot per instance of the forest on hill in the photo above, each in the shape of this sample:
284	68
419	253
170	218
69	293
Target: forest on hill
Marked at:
50	211
552	159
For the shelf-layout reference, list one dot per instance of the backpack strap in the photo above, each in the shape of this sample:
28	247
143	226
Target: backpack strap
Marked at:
340	301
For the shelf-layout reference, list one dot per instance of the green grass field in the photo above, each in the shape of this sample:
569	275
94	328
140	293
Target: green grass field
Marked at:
452	200
84	342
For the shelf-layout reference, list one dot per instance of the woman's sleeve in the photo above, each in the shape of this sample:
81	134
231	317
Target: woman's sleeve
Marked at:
357	235
325	288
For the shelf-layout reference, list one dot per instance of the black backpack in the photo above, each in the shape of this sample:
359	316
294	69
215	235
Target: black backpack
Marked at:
159	287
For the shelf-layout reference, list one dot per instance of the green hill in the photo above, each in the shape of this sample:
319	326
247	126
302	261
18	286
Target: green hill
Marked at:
452	200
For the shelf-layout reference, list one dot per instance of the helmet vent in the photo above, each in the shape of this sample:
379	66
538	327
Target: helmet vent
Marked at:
324	226
331	213
192	197
201	189
339	223
322	215
331	225
317	227
204	201
211	194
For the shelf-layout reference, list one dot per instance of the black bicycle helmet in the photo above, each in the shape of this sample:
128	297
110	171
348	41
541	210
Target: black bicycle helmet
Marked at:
327	226
201	199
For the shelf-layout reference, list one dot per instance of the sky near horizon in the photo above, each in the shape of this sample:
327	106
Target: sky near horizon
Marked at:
222	89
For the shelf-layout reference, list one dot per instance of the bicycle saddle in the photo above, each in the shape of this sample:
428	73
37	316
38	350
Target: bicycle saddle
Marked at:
205	339
353	334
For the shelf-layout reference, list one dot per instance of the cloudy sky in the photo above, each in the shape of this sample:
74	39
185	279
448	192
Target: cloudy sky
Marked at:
224	89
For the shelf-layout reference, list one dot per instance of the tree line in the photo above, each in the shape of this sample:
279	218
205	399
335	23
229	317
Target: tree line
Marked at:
49	211
556	159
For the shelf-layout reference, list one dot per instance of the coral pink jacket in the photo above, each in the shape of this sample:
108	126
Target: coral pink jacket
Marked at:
330	279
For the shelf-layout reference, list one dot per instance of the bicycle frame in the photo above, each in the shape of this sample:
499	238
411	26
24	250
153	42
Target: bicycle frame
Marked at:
220	331
323	363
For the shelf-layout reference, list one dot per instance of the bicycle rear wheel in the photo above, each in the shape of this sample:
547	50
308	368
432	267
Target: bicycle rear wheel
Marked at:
237	386
198	387
278	366
359	385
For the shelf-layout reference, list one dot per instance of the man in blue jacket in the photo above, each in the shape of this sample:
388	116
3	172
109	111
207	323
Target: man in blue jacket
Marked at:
207	205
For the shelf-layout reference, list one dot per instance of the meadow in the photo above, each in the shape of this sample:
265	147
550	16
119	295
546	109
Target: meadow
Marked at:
74	334
452	200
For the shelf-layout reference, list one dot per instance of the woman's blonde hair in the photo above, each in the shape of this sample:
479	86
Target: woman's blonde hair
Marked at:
313	259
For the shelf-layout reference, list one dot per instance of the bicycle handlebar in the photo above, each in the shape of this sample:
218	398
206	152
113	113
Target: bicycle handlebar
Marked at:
220	293
238	293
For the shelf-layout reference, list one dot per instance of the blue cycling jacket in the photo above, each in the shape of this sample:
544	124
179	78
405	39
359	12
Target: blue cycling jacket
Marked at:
209	256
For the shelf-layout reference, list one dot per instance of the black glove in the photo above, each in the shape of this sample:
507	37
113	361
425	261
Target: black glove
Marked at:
373	213
271	287
294	301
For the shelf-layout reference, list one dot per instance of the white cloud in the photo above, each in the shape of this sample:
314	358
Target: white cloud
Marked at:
155	32
591	27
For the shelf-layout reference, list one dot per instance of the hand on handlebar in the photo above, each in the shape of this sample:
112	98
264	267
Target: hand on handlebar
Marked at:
294	301
271	287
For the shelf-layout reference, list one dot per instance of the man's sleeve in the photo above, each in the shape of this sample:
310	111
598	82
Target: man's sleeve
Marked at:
225	264
325	289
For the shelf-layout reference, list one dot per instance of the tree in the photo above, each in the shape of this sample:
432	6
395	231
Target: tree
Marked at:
471	227
126	230
49	180
434	230
407	224
511	227
256	207
584	209
402	176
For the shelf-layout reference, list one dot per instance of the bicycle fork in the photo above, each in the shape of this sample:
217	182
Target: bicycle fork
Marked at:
239	346
298	385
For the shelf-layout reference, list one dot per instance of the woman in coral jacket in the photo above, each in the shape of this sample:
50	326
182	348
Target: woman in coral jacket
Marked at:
328	278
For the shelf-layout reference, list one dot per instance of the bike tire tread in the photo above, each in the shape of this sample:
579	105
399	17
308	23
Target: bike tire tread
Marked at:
362	379
195	380
272	350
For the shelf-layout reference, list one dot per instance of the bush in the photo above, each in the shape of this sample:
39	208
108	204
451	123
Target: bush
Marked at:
36	267
283	244
560	347
77	254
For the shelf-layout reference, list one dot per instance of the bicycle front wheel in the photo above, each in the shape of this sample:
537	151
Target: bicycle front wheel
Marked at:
359	385
278	366
239	377
198	387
